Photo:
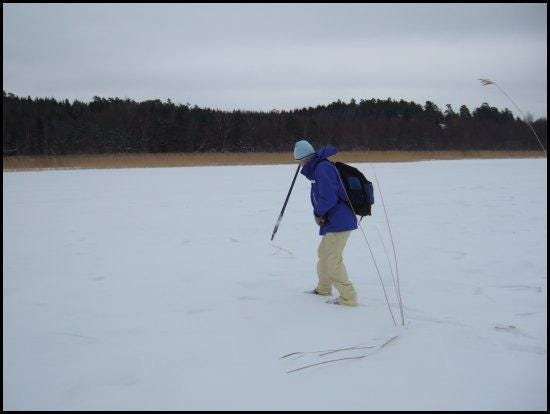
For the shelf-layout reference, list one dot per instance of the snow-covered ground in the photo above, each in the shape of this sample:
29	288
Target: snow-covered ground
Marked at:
160	289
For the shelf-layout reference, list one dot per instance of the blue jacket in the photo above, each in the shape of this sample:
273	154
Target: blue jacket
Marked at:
327	194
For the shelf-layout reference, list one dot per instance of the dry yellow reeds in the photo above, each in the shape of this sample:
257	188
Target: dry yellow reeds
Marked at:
15	163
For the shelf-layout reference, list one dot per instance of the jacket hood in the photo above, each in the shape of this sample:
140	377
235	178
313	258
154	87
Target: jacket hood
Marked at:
325	152
320	155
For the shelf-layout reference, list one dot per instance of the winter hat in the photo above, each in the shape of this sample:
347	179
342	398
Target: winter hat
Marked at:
302	149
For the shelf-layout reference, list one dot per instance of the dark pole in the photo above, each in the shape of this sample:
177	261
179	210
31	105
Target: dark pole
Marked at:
284	205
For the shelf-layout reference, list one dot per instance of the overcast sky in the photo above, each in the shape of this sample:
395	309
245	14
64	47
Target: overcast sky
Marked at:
279	56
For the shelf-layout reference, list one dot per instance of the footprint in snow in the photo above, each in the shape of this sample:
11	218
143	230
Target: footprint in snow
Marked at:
248	298
198	311
537	289
98	278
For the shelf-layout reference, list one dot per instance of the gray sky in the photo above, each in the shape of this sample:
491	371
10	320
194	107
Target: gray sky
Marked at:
279	56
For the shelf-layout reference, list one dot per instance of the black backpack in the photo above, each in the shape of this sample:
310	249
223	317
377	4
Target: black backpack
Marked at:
359	190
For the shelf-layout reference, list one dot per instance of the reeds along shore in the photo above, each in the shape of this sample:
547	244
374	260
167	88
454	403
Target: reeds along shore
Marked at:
16	163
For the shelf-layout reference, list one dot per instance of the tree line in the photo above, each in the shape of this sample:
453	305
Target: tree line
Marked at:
45	126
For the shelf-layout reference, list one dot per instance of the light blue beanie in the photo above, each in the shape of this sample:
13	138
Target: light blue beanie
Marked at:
302	149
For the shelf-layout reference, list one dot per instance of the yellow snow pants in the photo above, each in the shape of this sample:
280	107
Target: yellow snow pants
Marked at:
331	269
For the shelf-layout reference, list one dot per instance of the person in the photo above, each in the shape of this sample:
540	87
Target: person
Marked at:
335	218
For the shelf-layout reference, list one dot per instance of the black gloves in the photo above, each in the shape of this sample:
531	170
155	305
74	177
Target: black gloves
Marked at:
319	220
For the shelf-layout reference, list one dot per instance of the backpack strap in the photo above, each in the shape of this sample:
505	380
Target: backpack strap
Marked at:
341	200
319	162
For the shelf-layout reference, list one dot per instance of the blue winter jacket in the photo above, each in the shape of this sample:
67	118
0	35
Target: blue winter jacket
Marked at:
327	194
